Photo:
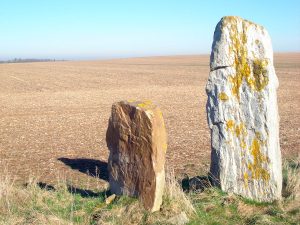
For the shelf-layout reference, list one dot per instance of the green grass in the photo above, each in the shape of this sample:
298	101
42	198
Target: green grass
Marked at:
33	204
214	207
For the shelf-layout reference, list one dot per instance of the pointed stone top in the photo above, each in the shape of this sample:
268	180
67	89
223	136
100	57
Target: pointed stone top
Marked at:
143	105
226	20
244	48
239	41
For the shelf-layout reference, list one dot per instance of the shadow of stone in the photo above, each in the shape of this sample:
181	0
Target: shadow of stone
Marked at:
92	167
84	193
195	184
45	186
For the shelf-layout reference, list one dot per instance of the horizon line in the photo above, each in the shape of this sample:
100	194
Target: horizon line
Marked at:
53	59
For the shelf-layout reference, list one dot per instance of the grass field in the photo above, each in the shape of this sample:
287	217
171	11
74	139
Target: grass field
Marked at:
54	115
37	203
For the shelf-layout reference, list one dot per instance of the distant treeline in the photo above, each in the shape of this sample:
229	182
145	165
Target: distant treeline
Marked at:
19	60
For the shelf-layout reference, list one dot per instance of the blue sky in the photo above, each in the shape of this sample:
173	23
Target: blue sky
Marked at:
78	29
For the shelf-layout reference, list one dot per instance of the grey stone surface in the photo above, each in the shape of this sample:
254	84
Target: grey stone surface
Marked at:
242	111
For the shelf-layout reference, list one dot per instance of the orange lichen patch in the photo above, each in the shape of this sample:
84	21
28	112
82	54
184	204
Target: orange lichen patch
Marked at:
223	96
256	168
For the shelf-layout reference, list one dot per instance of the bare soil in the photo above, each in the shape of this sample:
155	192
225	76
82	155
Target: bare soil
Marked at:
54	115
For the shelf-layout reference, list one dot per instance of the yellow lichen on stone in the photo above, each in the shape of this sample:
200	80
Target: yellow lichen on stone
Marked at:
246	178
145	104
230	19
256	168
165	146
255	74
230	125
161	118
260	74
223	96
258	135
239	50
160	114
243	144
239	131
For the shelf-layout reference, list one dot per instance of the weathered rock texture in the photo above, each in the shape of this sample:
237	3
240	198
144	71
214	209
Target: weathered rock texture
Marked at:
242	111
136	138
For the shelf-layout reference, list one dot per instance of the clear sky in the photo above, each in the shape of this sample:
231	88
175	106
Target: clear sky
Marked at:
96	29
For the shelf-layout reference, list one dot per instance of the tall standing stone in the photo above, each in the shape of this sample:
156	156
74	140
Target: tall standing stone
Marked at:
242	111
136	138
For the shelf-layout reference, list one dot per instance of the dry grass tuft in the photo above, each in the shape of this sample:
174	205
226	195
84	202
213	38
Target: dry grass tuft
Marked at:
175	195
38	204
291	186
26	204
291	178
128	211
34	203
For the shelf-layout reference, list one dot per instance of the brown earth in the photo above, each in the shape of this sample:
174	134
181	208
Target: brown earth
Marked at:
54	115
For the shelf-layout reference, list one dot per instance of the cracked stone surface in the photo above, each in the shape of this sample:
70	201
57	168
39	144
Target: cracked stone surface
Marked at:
136	138
242	111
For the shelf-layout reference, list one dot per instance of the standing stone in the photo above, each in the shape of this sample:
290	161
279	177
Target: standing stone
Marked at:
137	140
242	111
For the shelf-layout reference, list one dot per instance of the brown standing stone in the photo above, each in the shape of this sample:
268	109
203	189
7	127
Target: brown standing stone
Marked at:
136	138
